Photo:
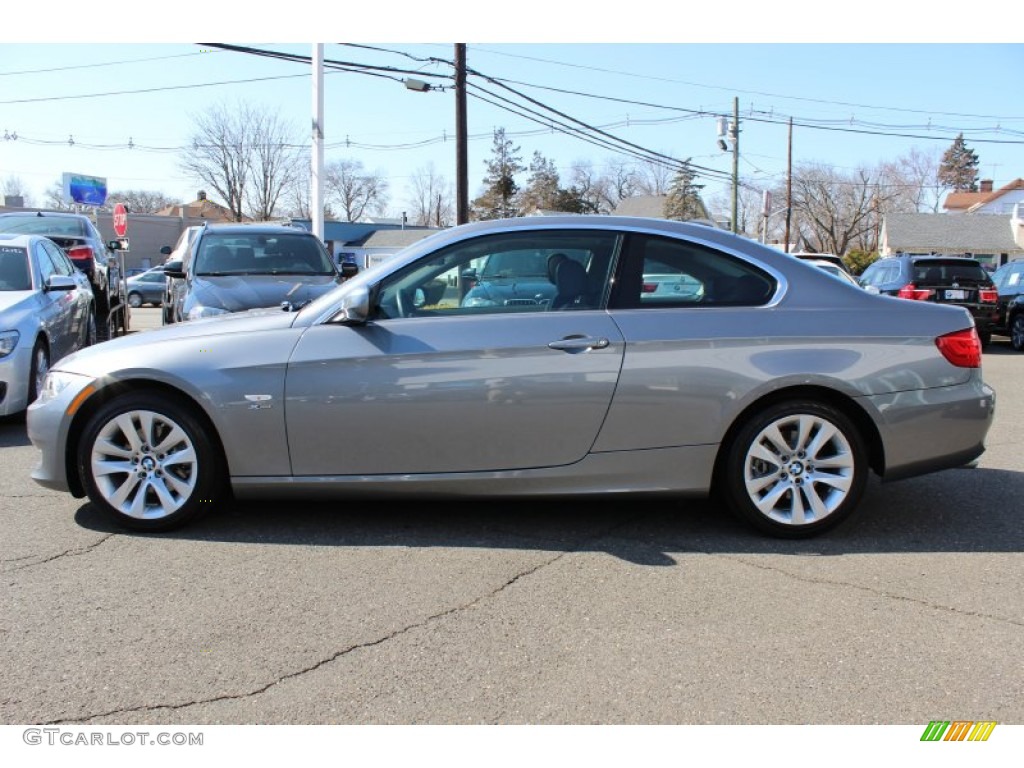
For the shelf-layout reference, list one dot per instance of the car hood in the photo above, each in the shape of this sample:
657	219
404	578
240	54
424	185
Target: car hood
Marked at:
138	349
13	304
237	293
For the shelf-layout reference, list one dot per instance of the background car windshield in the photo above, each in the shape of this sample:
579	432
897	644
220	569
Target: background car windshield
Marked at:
14	274
256	254
949	272
42	225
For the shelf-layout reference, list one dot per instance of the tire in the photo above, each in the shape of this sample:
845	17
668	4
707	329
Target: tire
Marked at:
985	338
1017	332
795	469
40	365
135	299
90	330
146	461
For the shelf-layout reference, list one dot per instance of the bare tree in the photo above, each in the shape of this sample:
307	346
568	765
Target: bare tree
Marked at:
220	154
653	177
245	154
912	182
355	192
431	198
275	164
749	211
141	200
834	211
55	197
14	186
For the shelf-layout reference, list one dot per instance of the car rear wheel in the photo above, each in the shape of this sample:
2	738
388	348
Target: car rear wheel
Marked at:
146	461
796	469
135	300
1017	333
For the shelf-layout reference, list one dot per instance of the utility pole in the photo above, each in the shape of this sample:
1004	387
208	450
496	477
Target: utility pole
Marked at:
316	193
461	139
734	131
789	182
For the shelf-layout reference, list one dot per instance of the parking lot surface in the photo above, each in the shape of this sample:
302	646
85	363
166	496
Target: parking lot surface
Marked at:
612	611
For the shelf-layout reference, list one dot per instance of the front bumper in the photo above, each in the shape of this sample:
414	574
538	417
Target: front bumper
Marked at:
48	424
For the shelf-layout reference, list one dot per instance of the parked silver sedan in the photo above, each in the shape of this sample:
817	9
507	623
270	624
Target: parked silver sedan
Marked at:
772	382
46	312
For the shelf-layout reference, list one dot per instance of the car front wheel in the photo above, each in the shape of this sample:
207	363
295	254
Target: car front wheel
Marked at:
795	469
146	461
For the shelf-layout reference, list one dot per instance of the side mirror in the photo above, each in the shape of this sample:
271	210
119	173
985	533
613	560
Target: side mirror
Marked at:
61	283
355	307
173	269
348	269
166	250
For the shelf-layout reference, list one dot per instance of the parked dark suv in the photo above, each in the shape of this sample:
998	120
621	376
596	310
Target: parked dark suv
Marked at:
940	279
236	267
1009	280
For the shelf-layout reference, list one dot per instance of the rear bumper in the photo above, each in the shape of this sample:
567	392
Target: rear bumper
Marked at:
932	429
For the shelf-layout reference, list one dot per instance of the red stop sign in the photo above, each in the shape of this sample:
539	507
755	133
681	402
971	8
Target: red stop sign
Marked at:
120	220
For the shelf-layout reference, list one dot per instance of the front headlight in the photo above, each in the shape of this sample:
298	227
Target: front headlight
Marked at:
57	381
8	341
198	312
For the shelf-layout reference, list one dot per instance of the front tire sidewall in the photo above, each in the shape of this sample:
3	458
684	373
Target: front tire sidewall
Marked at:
210	477
732	480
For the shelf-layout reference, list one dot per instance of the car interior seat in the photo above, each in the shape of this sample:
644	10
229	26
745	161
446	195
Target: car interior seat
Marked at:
218	258
570	285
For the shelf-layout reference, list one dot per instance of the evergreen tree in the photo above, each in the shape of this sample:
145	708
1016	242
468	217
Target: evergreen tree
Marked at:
542	186
959	167
500	188
683	201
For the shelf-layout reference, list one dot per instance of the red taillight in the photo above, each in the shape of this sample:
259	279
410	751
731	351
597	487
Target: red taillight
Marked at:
988	295
961	348
911	291
80	252
650	287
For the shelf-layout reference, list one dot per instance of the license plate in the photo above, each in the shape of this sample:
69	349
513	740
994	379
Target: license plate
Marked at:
956	295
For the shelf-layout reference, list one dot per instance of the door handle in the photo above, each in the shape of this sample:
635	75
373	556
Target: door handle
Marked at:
579	343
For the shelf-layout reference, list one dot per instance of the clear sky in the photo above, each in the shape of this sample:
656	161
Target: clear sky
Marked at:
861	89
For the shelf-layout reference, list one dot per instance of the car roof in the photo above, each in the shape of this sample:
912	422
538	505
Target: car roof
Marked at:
262	228
18	239
48	214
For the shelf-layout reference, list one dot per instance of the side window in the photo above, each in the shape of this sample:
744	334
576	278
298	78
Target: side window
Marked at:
46	268
878	274
61	263
665	272
530	271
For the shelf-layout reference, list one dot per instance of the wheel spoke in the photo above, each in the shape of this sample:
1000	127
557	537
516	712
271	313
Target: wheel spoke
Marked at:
184	456
173	438
119	496
101	467
126	423
166	500
108	448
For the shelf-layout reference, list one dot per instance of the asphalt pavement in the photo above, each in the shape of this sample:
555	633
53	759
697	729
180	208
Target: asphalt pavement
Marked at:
614	611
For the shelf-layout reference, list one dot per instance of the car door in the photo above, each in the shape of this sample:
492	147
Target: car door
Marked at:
437	382
685	357
56	308
77	306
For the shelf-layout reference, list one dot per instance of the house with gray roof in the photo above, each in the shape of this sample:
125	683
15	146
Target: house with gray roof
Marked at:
993	239
382	243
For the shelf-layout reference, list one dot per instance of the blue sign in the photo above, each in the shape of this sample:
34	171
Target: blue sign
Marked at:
87	190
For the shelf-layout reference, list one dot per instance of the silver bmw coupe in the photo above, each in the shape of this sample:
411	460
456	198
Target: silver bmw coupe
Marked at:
581	370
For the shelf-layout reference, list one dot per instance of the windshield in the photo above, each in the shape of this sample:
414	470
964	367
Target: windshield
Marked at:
929	272
262	254
14	274
42	225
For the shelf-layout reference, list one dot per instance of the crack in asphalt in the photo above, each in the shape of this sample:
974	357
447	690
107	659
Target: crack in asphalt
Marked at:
870	590
352	648
66	553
